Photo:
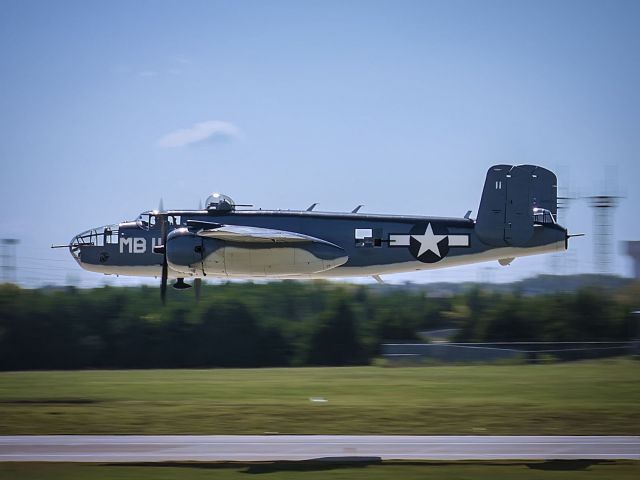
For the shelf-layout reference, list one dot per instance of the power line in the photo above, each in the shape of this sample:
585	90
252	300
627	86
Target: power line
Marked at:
21	257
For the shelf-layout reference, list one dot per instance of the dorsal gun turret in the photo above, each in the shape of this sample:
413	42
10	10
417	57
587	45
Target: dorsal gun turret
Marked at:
220	203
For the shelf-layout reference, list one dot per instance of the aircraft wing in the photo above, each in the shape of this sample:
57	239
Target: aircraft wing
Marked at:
242	233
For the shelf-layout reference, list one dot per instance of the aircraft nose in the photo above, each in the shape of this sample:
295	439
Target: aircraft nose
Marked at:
74	247
95	237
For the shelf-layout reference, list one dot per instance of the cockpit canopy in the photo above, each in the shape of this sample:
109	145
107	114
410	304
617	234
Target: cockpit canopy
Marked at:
146	220
220	202
543	216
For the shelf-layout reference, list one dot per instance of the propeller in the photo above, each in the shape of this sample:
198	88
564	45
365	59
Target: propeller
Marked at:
161	216
163	250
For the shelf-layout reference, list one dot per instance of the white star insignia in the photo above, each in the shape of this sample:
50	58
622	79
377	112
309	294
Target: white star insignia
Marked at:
429	241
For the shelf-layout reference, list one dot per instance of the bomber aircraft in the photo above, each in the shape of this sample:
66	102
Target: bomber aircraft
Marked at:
516	217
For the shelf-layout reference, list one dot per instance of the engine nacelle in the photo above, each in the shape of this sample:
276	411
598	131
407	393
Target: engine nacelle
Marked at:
184	251
191	254
279	260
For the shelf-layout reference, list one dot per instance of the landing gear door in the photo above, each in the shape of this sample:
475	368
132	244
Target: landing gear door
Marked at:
518	228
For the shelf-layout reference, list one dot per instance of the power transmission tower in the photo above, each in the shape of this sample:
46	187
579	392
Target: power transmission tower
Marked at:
560	261
8	260
603	207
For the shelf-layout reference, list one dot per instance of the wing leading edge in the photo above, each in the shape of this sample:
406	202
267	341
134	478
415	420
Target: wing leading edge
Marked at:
246	234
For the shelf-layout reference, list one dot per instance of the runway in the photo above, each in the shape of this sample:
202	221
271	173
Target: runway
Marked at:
134	448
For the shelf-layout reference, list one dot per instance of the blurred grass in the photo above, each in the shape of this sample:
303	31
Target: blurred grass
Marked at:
594	397
549	470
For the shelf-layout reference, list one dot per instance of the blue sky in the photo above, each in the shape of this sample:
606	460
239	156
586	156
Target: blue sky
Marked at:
107	106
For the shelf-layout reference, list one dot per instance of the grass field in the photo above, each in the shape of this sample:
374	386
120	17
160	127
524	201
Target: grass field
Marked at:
550	470
596	397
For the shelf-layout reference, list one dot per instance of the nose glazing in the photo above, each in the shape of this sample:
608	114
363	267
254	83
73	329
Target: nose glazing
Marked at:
95	237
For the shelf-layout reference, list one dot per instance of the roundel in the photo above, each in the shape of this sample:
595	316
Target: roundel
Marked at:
429	242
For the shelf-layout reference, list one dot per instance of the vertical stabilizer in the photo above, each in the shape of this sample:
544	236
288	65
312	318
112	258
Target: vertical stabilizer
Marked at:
491	213
505	216
518	225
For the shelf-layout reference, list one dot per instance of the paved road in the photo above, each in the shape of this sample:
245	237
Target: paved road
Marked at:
134	448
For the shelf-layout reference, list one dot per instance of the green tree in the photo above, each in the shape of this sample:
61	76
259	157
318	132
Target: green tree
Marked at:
334	340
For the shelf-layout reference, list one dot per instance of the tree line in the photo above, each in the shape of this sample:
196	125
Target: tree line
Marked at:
282	323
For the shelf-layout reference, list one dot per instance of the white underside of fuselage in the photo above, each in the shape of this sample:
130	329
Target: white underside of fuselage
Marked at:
469	259
344	271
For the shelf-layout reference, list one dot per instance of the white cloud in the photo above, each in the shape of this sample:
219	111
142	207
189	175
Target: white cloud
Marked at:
200	132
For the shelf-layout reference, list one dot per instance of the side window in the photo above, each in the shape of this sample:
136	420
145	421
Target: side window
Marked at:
364	236
368	237
110	236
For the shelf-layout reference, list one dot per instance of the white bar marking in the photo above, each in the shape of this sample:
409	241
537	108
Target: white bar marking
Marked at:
399	240
458	240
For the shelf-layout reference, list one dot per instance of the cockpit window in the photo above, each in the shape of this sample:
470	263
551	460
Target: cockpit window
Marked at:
543	216
146	220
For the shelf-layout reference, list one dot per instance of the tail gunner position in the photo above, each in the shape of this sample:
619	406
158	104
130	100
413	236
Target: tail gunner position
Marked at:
516	217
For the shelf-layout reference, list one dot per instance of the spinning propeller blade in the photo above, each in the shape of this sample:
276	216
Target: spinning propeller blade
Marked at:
165	266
